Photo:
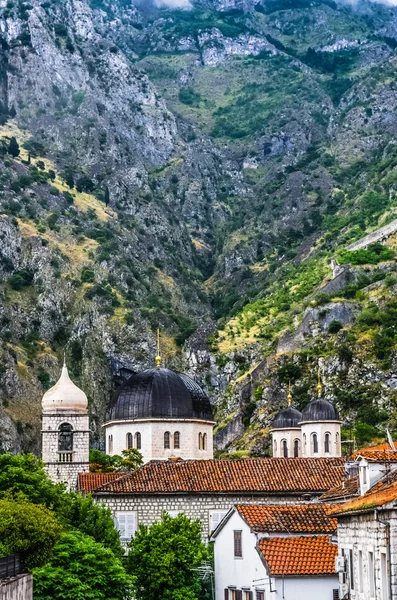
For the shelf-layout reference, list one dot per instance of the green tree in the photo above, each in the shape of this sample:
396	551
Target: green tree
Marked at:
163	558
81	569
29	529
131	459
13	147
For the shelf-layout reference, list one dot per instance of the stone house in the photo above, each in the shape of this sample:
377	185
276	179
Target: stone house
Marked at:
367	529
208	489
282	549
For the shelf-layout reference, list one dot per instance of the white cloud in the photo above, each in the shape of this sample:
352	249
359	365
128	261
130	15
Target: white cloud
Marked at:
173	3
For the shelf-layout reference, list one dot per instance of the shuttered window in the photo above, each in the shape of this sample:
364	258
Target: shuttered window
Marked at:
238	549
239	595
215	518
260	595
226	594
335	594
126	524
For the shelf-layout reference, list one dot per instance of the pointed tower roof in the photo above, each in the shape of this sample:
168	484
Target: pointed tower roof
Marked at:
64	396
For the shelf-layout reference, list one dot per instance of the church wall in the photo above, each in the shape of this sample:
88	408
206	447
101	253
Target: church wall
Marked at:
278	435
321	428
152	439
149	508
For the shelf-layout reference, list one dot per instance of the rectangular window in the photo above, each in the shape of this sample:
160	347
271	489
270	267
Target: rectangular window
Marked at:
248	596
238	548
371	574
335	594
226	594
239	595
351	569
216	517
126	525
260	595
383	570
360	571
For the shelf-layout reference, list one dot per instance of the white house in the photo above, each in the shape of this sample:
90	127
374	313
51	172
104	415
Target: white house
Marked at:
285	550
367	530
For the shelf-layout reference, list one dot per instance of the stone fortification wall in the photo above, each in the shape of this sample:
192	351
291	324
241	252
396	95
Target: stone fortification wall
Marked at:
17	588
376	236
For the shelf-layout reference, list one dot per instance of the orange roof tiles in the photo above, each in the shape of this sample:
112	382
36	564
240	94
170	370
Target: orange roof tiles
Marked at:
89	482
347	489
299	556
312	518
249	475
381	493
383	452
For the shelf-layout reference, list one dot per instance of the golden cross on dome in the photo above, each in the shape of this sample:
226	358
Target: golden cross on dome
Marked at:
158	357
289	394
319	386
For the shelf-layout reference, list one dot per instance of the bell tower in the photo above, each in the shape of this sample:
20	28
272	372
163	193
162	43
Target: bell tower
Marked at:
65	431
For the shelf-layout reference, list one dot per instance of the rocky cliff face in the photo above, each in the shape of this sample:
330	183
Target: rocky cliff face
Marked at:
174	166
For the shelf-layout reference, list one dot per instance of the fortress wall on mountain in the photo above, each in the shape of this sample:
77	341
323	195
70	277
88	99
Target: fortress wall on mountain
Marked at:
376	236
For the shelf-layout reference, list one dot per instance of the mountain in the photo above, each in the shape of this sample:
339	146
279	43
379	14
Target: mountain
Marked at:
197	169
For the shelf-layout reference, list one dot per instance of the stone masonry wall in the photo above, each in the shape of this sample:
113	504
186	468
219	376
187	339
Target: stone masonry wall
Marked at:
149	508
366	534
17	588
376	236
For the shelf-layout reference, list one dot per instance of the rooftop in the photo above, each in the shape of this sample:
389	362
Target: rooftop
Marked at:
347	489
381	493
88	482
313	518
299	556
229	476
383	452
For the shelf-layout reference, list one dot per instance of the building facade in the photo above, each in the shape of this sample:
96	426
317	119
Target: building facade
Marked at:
65	431
162	413
280	550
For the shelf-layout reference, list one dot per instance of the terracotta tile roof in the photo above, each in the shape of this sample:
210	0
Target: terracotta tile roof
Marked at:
347	489
249	475
299	556
312	518
89	482
381	493
383	452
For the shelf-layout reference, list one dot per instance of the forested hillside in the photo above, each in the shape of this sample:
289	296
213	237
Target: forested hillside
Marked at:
199	170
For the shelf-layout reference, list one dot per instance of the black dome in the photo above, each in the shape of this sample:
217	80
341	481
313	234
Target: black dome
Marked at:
320	410
159	393
287	418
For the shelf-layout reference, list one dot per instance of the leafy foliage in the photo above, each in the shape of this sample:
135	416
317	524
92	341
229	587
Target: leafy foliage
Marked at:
163	559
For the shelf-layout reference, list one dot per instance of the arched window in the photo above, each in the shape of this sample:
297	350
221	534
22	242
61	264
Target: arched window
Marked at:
327	443
110	444
129	441
284	447
177	440
200	441
65	438
337	444
304	442
204	441
138	441
296	448
314	443
275	448
167	440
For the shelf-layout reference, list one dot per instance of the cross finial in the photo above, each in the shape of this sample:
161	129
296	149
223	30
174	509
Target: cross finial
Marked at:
319	385
64	358
289	394
158	357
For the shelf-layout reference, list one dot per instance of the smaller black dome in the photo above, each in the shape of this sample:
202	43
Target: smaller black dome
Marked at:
287	418
320	410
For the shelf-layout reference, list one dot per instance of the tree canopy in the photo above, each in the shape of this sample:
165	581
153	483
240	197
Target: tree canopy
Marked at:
81	569
164	557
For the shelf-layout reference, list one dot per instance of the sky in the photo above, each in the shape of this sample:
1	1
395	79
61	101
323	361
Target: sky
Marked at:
175	3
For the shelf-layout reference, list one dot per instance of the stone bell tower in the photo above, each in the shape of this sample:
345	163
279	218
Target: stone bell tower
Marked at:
65	431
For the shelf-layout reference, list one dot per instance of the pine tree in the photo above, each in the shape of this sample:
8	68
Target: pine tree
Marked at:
13	147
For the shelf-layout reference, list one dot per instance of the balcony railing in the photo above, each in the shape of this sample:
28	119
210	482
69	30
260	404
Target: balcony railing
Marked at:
65	457
10	566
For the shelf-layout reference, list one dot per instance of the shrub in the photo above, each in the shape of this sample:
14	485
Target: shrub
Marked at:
21	279
334	327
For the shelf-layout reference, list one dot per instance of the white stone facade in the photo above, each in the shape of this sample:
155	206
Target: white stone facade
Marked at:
248	572
157	439
64	465
321	429
369	551
19	587
287	443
